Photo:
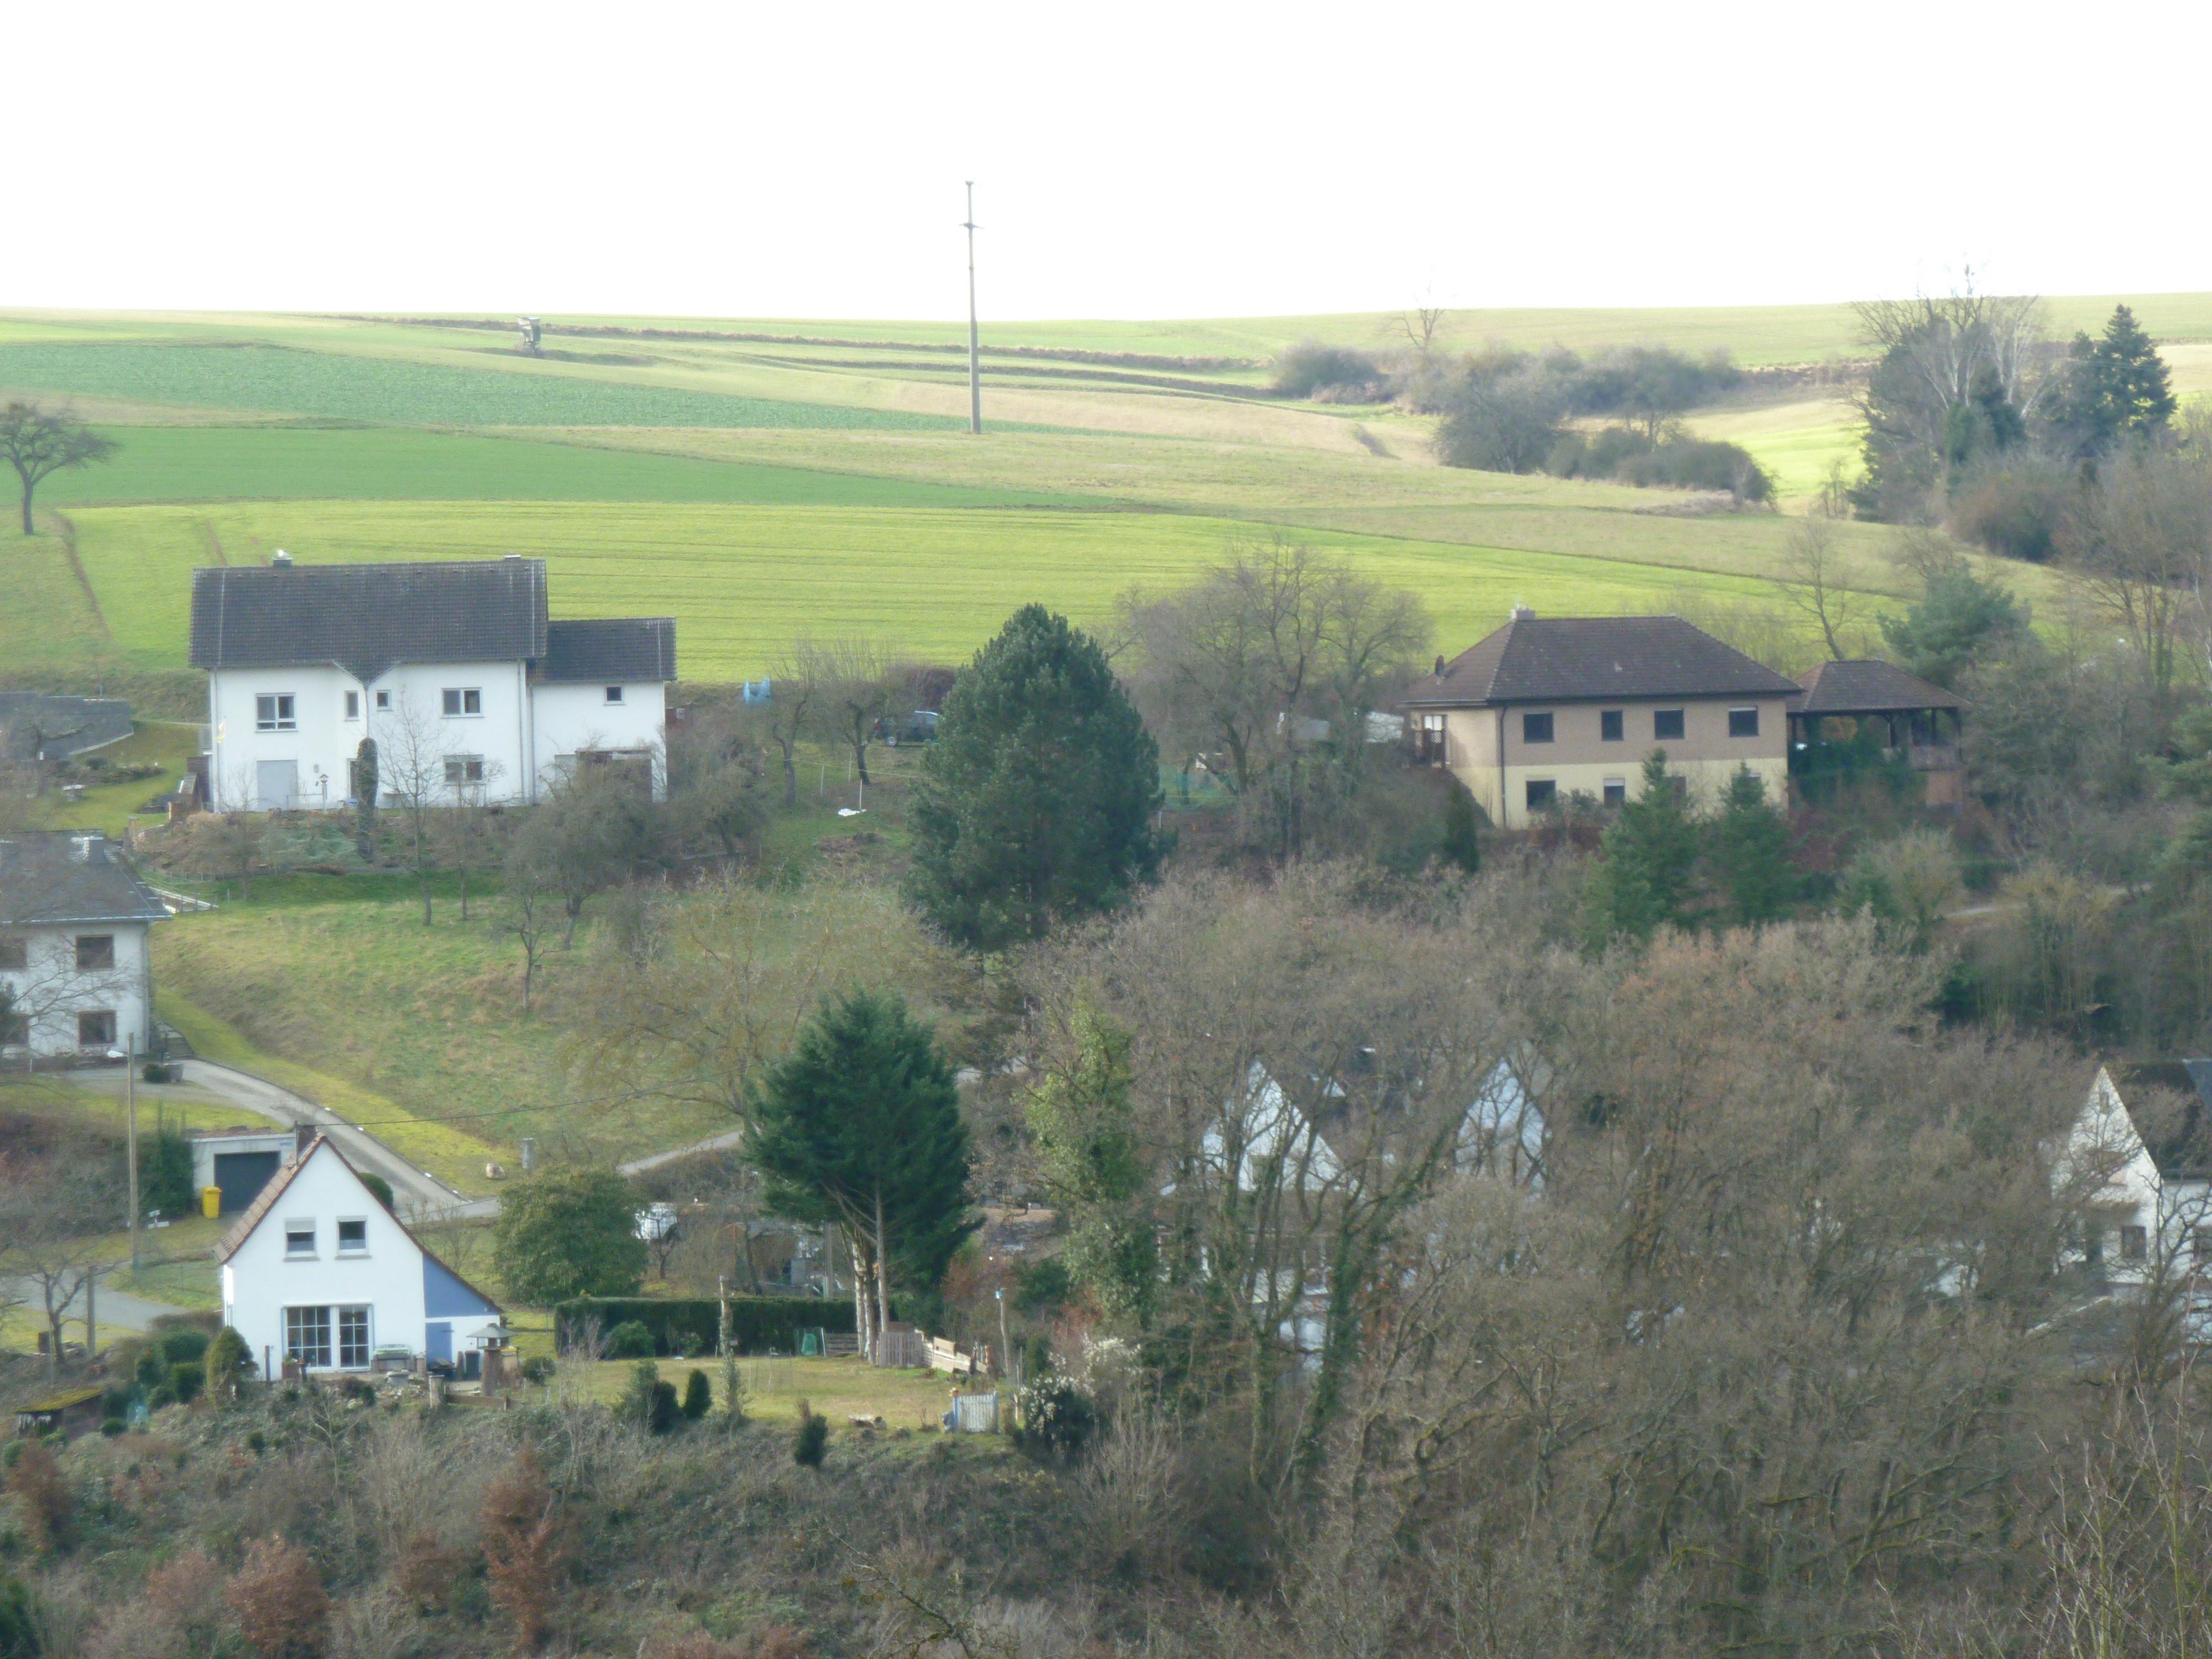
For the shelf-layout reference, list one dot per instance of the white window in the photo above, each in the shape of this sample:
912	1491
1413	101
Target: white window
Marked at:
275	712
353	1339
352	705
353	1236
614	694
299	1238
95	1028
462	769
308	1336
384	700
462	701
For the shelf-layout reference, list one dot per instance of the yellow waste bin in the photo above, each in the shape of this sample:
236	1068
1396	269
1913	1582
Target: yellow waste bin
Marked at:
211	1202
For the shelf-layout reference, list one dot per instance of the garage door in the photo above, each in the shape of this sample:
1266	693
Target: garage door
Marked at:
242	1176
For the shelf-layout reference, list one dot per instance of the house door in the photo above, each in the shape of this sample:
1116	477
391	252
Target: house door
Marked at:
276	786
241	1175
438	1340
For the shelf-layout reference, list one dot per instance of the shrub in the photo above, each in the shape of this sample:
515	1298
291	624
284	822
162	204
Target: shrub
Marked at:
1508	423
19	1630
228	1360
42	1495
1057	1415
428	1571
1333	373
165	1174
185	1347
568	1231
186	1377
663	1413
522	1549
698	1395
2014	510
111	1426
282	1608
630	1339
539	1370
637	1399
811	1442
377	1186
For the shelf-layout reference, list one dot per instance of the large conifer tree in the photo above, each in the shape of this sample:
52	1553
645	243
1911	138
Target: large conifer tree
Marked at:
1036	802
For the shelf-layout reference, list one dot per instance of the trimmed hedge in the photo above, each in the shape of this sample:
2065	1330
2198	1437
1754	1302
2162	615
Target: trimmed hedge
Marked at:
758	1324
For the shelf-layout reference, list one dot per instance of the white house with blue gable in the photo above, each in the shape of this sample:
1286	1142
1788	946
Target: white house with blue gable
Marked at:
318	1272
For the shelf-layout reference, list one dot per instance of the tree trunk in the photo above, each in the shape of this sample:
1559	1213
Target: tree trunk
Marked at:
27	506
790	777
883	1271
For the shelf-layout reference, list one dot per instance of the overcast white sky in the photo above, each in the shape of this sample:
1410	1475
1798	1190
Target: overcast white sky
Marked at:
1131	160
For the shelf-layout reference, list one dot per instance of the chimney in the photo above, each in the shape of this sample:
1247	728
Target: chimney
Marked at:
303	1136
1523	613
81	848
281	560
1440	668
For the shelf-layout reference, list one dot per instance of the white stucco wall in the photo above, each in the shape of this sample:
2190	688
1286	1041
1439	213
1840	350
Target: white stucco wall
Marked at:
570	718
51	991
323	746
259	1281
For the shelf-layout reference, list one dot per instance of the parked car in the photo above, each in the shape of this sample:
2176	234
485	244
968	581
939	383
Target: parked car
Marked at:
920	727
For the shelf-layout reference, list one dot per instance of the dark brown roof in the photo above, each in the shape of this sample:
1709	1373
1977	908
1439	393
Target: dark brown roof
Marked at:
53	876
1595	659
265	1200
1865	686
2182	1149
611	649
365	617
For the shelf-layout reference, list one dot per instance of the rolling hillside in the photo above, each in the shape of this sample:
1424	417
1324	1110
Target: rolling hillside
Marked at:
765	479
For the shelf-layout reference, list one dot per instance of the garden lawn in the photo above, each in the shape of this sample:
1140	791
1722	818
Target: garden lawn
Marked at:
839	1390
108	807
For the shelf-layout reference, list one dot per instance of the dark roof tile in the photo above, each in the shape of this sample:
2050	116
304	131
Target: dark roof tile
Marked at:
1595	658
365	617
609	649
51	876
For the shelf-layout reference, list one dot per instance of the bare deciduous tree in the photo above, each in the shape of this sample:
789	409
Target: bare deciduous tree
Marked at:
37	443
1821	585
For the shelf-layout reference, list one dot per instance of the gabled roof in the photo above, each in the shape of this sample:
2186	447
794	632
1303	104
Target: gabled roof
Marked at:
609	649
1866	686
365	617
36	725
2182	1149
265	1200
1593	659
54	875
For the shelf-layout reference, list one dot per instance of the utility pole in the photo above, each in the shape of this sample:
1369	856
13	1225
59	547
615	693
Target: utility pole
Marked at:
131	1105
975	366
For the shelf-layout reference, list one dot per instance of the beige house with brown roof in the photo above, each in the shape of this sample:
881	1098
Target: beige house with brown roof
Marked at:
1547	707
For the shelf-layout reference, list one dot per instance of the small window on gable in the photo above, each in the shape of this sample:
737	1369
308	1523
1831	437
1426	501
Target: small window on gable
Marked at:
1543	795
614	694
353	1235
1743	722
1536	729
384	700
299	1238
1666	723
352	705
1609	722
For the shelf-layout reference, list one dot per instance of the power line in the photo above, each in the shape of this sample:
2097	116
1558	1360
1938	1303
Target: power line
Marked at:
975	363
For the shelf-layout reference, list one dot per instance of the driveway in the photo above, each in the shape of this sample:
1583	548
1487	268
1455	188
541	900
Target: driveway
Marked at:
114	1310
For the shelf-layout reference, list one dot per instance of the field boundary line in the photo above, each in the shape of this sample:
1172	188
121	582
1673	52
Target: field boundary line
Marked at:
83	581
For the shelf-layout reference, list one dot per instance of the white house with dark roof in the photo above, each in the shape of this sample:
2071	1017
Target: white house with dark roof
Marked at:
319	1273
2144	1140
453	668
73	959
1550	707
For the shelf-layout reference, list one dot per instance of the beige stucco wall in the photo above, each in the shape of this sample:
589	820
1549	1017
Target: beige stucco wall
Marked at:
1577	758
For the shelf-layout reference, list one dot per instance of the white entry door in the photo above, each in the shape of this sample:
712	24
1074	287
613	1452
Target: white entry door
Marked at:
277	785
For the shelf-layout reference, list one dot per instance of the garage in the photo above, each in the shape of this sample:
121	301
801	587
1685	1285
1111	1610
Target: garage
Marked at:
241	1175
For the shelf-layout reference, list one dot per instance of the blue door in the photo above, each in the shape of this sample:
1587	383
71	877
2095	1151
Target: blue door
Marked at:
438	1337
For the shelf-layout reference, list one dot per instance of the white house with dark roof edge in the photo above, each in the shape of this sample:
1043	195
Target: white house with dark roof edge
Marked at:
73	948
303	662
317	1272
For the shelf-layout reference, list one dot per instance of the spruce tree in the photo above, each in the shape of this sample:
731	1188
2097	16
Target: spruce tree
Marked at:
1642	883
1751	853
861	1126
1034	805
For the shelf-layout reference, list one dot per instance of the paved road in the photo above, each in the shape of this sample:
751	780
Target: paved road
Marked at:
713	1144
115	1309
